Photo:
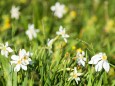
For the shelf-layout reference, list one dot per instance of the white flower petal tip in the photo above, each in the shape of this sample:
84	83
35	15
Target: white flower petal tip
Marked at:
100	61
31	32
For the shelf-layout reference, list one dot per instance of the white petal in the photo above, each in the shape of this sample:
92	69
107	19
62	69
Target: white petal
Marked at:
4	52
95	59
13	62
77	79
65	40
82	62
17	68
58	33
53	8
106	66
24	67
9	49
84	59
22	53
99	65
6	44
14	57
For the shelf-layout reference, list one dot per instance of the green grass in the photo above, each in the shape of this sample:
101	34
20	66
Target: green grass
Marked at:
90	29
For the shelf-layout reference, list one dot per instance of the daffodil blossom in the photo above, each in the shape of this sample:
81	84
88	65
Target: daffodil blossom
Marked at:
100	61
75	75
15	12
21	60
31	32
58	9
62	33
5	50
80	57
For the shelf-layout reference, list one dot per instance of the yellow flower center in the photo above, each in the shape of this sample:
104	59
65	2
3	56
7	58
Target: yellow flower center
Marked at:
74	75
25	58
104	57
19	62
79	50
4	48
62	32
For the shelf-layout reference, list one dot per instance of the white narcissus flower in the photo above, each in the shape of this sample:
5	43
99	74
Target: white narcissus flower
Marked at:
80	57
75	75
58	9
100	61
62	33
5	49
21	60
15	12
31	32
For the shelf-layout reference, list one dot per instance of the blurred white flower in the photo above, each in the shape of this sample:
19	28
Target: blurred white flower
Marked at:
100	61
58	9
49	44
75	75
5	49
21	60
62	33
80	57
15	12
31	32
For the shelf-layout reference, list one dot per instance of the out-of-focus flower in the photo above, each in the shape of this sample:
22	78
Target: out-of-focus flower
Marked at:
73	47
6	23
73	14
58	9
15	12
21	60
62	33
75	75
100	61
80	57
5	49
31	32
92	20
110	26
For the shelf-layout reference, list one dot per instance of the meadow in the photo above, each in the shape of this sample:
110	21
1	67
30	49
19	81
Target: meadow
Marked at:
57	42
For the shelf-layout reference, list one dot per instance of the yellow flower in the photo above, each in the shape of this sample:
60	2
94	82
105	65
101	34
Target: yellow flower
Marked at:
6	23
73	14
109	26
73	47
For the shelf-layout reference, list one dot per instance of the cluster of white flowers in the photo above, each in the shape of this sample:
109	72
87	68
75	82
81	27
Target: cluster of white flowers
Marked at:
21	60
61	33
100	61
